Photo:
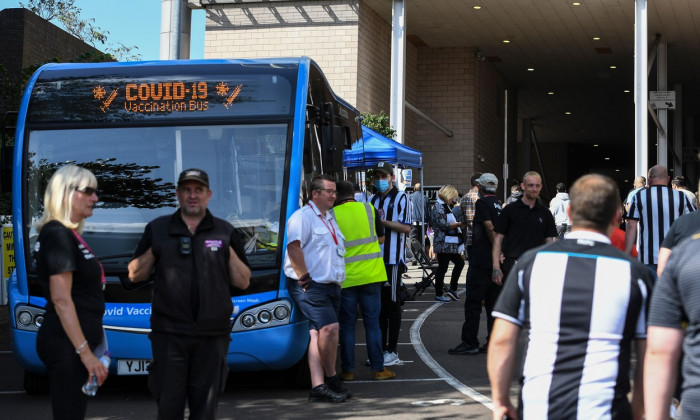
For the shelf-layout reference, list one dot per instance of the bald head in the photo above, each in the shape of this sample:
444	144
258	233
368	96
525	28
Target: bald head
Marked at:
416	187
640	182
658	175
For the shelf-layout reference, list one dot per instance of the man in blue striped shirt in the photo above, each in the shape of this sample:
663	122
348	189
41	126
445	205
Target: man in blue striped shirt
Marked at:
583	303
652	212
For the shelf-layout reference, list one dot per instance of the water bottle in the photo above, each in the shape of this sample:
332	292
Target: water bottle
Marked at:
90	386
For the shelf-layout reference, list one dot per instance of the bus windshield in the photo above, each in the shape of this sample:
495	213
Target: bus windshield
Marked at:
137	169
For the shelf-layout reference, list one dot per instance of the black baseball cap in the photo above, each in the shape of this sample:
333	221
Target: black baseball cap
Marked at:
193	174
385	167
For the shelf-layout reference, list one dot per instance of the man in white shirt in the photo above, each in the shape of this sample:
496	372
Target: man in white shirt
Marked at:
558	207
315	266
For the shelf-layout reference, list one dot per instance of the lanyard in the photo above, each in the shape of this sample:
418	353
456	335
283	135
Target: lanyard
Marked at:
331	229
82	241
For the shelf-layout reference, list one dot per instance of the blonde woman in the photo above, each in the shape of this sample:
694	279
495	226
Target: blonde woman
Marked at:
73	280
447	233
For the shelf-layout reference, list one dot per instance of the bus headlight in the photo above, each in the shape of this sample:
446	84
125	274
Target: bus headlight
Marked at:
248	320
264	316
24	318
267	315
281	312
28	318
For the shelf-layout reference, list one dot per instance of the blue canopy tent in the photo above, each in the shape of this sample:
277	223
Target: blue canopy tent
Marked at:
375	148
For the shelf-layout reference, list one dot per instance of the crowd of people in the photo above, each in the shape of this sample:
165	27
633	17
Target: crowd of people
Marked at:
590	278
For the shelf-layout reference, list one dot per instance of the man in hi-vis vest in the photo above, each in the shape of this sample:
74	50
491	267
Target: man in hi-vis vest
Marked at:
364	276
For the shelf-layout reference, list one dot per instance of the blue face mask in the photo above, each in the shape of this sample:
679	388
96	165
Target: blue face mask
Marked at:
381	185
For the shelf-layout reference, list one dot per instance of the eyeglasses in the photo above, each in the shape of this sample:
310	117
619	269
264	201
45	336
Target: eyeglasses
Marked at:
87	190
328	190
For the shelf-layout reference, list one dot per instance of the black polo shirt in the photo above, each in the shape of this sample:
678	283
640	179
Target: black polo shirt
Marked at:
524	227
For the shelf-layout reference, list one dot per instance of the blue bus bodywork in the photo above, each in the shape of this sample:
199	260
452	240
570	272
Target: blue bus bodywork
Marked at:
261	128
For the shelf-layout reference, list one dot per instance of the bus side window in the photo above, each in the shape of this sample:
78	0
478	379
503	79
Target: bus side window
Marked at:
312	165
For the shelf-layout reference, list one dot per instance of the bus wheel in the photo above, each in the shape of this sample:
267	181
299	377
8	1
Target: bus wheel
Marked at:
299	376
35	384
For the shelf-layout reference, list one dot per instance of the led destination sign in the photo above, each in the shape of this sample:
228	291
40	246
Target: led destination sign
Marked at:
167	96
110	98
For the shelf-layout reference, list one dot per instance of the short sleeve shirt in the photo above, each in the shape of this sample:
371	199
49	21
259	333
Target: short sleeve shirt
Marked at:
682	228
524	227
394	207
487	209
676	298
582	301
315	234
57	251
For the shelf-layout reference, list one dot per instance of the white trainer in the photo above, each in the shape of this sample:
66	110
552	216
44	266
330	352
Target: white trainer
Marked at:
391	359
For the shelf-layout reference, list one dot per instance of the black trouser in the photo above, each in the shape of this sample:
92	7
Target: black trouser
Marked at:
443	263
66	375
187	369
390	314
415	235
480	288
507	265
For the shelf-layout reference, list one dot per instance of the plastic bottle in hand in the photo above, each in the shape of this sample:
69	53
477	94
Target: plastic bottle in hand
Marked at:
90	386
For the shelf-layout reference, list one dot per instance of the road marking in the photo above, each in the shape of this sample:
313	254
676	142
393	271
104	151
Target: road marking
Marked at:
438	402
389	381
398	344
435	367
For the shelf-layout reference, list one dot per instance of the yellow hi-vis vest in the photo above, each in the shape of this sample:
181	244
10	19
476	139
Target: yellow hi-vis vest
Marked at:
364	263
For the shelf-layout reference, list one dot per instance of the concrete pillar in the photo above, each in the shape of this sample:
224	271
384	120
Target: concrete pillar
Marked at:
641	90
662	85
398	69
175	29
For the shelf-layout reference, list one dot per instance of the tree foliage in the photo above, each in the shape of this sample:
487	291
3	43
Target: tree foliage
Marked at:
379	123
119	184
68	15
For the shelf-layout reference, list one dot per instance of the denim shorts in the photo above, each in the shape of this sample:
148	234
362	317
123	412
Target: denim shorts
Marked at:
320	302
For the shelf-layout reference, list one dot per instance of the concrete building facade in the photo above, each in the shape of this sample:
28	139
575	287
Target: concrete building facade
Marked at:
352	44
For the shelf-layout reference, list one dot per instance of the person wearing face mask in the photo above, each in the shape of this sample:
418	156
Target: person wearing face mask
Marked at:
447	238
394	212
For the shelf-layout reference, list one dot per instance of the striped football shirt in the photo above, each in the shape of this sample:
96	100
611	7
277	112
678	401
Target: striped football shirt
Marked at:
583	302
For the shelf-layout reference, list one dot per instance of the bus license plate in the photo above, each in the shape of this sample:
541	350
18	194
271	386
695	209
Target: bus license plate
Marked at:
133	367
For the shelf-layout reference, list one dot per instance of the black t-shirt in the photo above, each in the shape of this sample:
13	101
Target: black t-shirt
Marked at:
682	228
524	227
56	251
487	208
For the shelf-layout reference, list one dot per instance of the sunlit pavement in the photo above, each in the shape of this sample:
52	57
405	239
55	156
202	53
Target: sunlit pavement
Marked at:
429	382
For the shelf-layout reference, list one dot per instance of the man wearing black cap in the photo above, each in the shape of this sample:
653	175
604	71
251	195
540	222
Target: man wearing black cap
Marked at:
479	285
197	257
392	206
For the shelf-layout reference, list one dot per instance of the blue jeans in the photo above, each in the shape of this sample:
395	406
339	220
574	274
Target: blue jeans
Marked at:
369	298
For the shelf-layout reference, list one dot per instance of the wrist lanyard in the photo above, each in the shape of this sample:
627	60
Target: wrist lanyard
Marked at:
82	241
332	232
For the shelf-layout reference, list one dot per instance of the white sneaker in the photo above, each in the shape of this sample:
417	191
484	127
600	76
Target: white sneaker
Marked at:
391	359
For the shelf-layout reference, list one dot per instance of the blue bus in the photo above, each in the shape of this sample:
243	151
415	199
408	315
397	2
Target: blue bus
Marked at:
261	129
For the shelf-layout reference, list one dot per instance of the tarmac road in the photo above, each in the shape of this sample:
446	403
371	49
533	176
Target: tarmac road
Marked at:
429	383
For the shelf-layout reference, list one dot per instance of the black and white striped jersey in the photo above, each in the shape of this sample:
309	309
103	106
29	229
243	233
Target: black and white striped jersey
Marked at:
676	300
393	207
583	302
656	208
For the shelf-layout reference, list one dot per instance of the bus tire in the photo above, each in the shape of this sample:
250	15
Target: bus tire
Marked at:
35	384
299	375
